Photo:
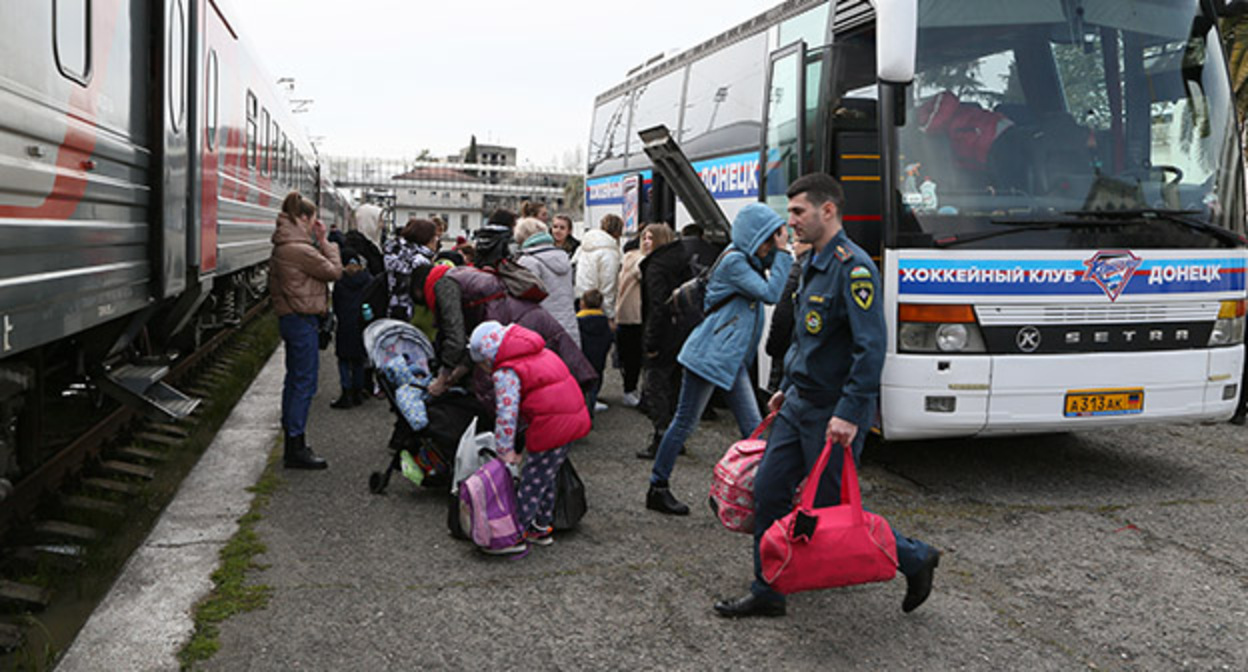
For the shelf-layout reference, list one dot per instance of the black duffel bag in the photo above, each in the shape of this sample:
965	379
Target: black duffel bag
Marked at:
570	502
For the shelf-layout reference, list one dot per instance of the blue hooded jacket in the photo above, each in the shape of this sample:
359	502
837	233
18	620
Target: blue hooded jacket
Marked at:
728	338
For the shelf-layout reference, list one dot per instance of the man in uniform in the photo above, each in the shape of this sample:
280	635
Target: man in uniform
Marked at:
830	387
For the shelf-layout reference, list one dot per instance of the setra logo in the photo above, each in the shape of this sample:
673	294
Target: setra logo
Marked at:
1112	270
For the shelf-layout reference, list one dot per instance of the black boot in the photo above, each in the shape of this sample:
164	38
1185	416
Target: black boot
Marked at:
919	584
299	456
357	397
652	449
661	499
749	605
343	401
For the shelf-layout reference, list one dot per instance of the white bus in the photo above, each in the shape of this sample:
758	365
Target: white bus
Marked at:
1052	189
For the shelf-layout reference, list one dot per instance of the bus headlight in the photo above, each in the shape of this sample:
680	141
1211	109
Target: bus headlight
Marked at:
938	328
1229	329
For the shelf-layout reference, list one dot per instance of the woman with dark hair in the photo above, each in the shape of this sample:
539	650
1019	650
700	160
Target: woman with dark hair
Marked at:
561	231
405	253
301	265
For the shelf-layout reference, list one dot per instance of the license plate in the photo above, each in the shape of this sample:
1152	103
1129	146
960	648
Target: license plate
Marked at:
1089	403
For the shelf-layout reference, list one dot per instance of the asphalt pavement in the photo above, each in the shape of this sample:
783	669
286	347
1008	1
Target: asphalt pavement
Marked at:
1110	550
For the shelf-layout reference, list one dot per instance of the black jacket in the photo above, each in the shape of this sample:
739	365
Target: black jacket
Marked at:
662	271
348	298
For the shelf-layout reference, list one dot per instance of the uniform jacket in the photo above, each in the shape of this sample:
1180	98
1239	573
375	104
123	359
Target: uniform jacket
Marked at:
299	271
551	402
552	266
598	267
628	299
839	336
348	300
661	271
728	338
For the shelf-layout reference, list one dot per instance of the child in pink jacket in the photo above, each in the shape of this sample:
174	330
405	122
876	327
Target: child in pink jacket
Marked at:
534	392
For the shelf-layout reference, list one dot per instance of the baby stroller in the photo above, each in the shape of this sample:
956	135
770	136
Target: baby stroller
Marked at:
427	431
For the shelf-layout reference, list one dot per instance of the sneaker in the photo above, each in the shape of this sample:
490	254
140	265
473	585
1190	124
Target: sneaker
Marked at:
540	537
631	400
521	547
600	407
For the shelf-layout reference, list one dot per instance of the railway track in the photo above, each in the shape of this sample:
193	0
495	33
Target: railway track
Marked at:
69	525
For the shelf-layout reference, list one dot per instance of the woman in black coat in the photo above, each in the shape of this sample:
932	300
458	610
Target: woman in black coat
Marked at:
664	268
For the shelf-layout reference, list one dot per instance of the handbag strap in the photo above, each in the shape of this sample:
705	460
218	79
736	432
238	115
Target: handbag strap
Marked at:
762	426
851	495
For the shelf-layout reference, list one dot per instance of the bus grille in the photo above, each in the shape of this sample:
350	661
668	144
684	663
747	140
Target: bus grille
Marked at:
1122	313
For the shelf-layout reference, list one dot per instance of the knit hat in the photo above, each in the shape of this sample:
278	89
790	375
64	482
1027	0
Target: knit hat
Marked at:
485	340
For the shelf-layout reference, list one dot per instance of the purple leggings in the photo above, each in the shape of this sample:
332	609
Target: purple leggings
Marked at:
536	493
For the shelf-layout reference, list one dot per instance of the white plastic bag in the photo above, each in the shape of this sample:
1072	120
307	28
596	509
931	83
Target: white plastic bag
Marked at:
473	452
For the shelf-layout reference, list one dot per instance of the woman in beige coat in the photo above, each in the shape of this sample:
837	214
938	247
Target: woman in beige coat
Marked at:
302	264
628	321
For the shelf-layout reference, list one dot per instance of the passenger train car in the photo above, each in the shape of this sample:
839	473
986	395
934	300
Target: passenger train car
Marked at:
143	157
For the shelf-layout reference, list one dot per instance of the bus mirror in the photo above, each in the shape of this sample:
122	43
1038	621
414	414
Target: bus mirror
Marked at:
895	36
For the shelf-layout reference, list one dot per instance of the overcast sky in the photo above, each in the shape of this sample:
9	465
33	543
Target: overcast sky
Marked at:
392	77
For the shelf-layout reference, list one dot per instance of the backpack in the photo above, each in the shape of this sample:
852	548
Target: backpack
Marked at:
488	509
688	298
518	281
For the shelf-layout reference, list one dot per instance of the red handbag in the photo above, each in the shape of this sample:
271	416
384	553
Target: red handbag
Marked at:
831	547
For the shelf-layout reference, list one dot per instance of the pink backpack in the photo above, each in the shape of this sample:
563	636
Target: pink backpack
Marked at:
732	488
487	507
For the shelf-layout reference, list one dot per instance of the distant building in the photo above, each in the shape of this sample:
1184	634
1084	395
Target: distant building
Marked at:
493	155
453	195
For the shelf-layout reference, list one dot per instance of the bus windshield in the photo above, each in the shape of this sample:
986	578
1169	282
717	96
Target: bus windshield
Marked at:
1070	123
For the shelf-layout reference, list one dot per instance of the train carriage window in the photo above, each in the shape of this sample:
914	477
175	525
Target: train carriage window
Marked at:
177	66
724	98
264	141
212	100
274	135
72	24
285	159
251	130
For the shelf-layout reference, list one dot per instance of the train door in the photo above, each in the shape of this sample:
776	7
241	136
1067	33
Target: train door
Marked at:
173	35
217	36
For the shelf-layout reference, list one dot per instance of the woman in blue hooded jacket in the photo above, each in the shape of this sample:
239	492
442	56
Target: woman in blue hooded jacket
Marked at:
751	272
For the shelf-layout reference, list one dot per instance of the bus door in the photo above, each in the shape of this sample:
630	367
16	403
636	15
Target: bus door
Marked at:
848	117
782	159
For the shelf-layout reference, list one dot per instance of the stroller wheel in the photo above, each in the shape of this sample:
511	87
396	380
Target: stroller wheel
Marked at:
376	483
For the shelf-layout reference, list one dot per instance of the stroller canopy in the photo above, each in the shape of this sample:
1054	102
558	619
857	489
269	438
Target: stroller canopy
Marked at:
386	339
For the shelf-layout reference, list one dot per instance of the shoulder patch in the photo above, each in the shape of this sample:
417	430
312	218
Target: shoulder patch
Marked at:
863	292
844	253
860	272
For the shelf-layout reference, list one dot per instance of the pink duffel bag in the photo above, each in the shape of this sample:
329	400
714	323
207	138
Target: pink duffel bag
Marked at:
732	488
834	546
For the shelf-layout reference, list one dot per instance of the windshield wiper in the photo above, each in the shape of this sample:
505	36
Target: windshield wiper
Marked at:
1181	217
1019	225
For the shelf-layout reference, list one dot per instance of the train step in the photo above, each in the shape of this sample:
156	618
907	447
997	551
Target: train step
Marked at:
135	452
93	505
109	485
20	592
140	386
127	469
60	528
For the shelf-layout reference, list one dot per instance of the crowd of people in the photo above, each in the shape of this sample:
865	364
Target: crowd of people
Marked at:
539	363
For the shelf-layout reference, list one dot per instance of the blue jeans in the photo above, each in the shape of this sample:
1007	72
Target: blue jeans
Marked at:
695	393
299	333
796	441
351	373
